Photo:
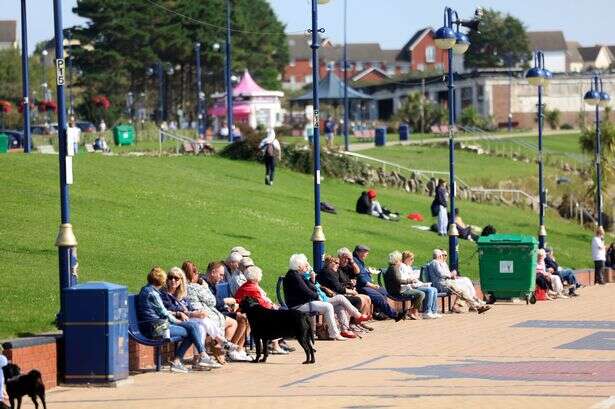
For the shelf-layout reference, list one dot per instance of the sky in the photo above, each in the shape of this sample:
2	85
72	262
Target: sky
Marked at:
388	22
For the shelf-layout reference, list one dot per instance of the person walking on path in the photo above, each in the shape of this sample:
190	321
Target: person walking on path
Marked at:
272	151
438	207
599	255
330	131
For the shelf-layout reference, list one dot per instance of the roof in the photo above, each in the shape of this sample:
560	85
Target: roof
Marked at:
8	31
298	46
589	54
299	49
404	54
573	52
247	87
547	40
331	88
368	71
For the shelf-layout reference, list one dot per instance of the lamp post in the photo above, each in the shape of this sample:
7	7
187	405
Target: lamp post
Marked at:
25	82
455	42
159	70
66	241
539	76
346	113
229	86
71	100
200	96
596	96
44	84
318	235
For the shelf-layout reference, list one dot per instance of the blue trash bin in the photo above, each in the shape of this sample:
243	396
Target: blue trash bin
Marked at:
404	132
381	137
95	333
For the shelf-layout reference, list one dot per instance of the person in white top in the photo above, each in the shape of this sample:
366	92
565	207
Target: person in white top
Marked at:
555	280
102	127
73	134
599	255
272	151
430	303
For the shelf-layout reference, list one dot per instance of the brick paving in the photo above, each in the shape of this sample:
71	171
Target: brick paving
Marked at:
514	356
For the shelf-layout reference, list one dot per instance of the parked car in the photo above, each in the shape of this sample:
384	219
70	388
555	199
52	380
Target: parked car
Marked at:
41	129
86	126
15	138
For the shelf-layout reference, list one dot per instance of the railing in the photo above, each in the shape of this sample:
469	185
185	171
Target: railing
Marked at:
515	194
179	140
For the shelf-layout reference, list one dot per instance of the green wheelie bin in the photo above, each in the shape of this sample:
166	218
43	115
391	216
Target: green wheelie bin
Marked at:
4	143
507	267
123	134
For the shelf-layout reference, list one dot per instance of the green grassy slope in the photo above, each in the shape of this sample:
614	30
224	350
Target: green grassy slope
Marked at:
130	213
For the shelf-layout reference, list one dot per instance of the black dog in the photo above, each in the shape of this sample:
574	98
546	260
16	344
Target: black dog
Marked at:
17	385
267	325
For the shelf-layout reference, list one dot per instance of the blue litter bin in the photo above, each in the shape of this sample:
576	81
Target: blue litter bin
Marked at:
95	333
404	132
381	137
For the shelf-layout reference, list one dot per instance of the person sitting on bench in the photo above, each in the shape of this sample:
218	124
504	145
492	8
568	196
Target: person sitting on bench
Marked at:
398	286
555	280
564	274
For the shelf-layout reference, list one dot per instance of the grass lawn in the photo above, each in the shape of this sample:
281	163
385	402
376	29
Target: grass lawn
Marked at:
130	213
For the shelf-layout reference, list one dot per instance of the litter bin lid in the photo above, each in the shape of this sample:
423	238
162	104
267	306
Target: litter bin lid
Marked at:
507	239
95	285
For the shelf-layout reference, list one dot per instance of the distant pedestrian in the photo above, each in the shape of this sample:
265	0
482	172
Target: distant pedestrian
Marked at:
330	130
438	207
272	151
102	127
599	255
73	134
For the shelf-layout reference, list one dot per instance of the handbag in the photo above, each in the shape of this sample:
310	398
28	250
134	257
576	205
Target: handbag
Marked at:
160	329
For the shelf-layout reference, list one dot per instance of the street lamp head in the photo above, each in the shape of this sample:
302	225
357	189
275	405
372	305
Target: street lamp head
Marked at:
548	76
216	47
445	38
461	44
197	46
535	76
170	71
234	78
592	97
149	72
605	99
44	52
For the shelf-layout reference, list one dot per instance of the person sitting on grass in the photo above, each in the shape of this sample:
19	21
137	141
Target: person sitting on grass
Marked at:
227	306
341	305
301	295
377	294
565	274
155	321
173	297
446	280
347	272
201	298
556	282
367	204
393	281
430	305
465	231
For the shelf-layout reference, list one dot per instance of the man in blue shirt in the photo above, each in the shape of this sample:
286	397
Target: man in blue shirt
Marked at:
377	294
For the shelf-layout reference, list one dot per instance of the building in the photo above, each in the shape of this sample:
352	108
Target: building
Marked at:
367	62
574	60
596	57
8	34
553	45
494	93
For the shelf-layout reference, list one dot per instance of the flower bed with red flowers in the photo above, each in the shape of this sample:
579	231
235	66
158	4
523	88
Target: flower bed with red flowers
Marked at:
46	106
101	101
5	106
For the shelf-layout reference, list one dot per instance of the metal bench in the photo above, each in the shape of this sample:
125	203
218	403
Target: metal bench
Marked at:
403	300
446	295
135	334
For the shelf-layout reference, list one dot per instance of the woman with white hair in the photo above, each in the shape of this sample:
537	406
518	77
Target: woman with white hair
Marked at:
270	147
301	294
252	289
232	272
555	280
399	286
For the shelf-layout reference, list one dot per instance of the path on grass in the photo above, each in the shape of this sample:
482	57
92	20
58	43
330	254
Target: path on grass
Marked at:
558	354
355	147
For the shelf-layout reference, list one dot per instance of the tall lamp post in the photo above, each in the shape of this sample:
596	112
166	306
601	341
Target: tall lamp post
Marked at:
229	86
596	96
66	241
318	235
539	76
346	113
200	96
158	70
45	86
456	42
25	81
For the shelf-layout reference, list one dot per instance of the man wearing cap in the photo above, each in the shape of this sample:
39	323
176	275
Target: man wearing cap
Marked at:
232	273
564	274
377	294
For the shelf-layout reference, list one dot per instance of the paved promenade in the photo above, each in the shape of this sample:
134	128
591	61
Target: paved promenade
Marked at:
558	354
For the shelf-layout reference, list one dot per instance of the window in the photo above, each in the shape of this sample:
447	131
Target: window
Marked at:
420	67
440	67
391	69
466	97
430	54
404	68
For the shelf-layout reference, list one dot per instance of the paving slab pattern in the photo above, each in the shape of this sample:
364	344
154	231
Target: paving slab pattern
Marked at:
556	354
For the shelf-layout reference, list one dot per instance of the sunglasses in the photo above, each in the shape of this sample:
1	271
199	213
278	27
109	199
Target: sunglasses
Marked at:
173	278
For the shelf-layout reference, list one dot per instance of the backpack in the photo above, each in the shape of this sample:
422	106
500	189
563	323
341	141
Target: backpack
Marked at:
269	150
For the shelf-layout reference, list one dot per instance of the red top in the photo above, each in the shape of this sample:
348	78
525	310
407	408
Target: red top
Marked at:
251	289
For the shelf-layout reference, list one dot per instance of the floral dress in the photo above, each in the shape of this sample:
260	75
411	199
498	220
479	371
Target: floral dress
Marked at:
201	298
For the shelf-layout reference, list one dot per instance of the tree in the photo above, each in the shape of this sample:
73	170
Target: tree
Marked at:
553	117
502	41
410	112
125	37
607	150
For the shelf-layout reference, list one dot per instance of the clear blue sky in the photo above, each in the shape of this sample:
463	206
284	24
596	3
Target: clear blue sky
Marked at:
389	22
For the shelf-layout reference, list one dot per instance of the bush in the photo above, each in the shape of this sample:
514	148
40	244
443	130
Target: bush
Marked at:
566	126
470	117
553	117
247	148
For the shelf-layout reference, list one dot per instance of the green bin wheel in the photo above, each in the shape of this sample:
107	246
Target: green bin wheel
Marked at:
532	299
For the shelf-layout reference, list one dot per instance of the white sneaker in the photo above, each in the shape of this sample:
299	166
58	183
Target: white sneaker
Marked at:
208	362
437	315
238	356
560	295
429	316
